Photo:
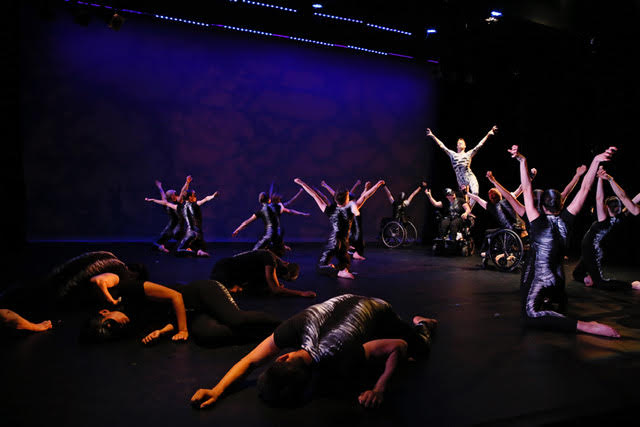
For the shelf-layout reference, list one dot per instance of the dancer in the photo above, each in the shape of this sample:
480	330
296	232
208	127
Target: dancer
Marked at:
632	205
270	213
175	227
461	160
549	233
589	269
336	338
258	271
455	212
341	214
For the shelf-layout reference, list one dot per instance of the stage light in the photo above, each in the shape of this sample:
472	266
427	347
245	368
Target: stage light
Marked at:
316	6
496	13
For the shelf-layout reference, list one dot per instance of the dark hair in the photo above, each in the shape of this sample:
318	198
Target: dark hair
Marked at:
263	197
98	329
285	383
552	200
341	196
138	271
288	272
276	198
494	195
190	193
613	203
537	199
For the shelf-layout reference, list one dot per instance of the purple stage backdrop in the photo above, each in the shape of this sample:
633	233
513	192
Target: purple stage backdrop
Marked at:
104	114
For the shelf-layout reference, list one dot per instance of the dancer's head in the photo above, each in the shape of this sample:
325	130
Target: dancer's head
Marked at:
341	197
614	205
403	196
288	271
191	196
105	326
494	196
263	197
172	196
461	145
450	194
552	201
537	199
286	382
276	198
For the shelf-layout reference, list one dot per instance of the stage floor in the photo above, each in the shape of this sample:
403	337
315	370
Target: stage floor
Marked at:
483	368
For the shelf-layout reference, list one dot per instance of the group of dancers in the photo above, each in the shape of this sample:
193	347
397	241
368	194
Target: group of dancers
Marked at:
338	335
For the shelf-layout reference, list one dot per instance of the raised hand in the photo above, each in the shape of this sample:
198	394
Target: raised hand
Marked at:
580	170
602	174
490	176
514	152
606	155
429	133
493	130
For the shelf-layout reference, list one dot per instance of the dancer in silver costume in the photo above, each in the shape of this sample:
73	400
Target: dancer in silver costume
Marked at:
331	338
549	232
461	160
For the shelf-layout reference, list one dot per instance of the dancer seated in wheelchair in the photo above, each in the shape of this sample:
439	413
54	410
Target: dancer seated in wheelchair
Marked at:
401	204
455	212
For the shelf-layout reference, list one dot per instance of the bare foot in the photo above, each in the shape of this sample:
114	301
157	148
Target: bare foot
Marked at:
356	255
162	248
202	253
596	328
345	274
636	285
26	325
287	248
588	281
429	323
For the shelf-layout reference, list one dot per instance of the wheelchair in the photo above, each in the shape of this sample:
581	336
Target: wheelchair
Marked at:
506	248
396	232
464	246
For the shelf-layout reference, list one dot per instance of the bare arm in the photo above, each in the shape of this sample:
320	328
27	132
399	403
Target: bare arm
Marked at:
206	199
277	288
467	211
577	202
291	200
328	188
162	202
264	352
440	143
161	293
631	205
105	281
389	195
244	224
478	199
572	184
415	192
600	211
368	193
319	200
525	182
163	196
393	350
292	211
185	188
518	191
483	140
433	201
355	185
510	198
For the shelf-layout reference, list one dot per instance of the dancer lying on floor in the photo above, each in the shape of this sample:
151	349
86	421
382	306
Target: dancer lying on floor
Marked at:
589	268
258	272
549	232
333	338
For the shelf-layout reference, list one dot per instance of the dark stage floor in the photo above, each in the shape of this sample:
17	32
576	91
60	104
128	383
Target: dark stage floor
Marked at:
483	369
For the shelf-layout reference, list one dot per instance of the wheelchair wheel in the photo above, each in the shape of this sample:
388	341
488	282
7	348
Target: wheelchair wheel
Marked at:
411	234
393	234
506	250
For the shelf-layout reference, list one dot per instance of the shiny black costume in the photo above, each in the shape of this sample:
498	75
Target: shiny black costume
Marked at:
451	221
505	217
542	285
335	330
340	220
270	213
173	229
592	254
192	216
356	237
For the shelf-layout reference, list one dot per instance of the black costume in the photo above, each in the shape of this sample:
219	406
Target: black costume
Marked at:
270	213
591	260
356	237
340	219
246	269
451	221
192	216
505	217
173	229
334	331
543	283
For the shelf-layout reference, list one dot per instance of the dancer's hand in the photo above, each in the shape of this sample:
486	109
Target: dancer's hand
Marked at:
602	174
580	170
371	398
308	294
204	398
464	189
155	335
493	130
606	156
181	336
429	133
534	172
490	176
464	215
515	154
158	184
298	181
189	179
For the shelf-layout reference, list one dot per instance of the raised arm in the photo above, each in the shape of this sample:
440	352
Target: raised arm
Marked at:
475	149
440	143
206	199
631	205
518	191
162	202
478	199
509	197
277	288
434	202
292	211
355	185
415	192
328	188
393	351
264	352
572	184
163	196
244	224
185	188
525	182
577	202
157	292
601	213
318	199
368	193
291	200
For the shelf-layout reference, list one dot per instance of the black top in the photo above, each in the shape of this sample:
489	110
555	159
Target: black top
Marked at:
453	209
340	218
245	269
504	214
270	215
192	215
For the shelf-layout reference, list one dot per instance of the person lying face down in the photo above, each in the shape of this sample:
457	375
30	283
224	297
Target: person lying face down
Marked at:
331	338
259	272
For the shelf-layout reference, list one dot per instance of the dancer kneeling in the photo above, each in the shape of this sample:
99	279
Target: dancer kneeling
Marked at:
334	337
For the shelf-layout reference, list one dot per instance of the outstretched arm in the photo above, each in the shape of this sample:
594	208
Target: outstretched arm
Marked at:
244	224
518	191
206	199
157	292
318	199
185	188
631	205
291	200
478	199
483	140
525	182
277	288
355	185
572	184
292	211
162	202
328	188
389	195
509	197
440	143
577	202
601	213
393	351
415	192
434	202
264	352
368	193
163	196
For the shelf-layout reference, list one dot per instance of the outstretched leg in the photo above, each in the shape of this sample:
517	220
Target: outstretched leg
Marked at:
12	320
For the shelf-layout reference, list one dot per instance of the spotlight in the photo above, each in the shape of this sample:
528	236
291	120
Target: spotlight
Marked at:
316	6
116	22
431	31
496	14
